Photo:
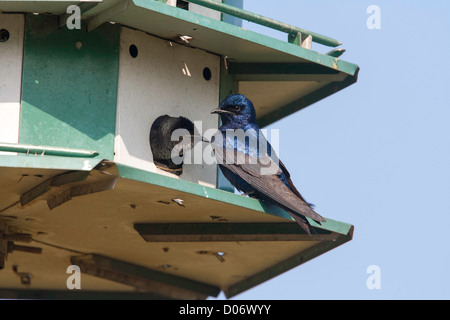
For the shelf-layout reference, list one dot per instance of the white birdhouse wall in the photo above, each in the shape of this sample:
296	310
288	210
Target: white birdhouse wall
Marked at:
158	77
11	52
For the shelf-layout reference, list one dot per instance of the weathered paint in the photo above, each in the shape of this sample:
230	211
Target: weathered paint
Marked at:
102	222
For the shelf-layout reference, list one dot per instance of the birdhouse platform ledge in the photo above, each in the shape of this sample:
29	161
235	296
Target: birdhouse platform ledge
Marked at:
188	241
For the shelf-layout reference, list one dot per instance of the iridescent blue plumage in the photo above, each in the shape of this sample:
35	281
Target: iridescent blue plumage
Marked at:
262	175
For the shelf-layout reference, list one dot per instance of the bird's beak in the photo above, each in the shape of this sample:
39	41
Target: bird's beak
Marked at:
216	110
220	111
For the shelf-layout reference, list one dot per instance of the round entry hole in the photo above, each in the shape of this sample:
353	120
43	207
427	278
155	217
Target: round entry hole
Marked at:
133	51
207	74
4	35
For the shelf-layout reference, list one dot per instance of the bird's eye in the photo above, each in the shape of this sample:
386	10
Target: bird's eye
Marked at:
237	108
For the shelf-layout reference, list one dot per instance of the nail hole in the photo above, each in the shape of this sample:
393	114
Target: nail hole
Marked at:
207	74
165	249
133	51
4	35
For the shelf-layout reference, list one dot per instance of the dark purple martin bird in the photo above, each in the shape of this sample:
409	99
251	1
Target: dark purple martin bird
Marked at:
162	145
261	175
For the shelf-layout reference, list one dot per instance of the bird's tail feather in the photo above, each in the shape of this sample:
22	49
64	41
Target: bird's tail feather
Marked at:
311	205
302	221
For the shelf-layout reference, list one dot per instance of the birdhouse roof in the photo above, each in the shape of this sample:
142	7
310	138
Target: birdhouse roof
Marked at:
280	77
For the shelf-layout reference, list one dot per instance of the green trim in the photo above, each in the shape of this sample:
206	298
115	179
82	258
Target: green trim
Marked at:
69	93
305	101
336	53
279	68
220	195
128	172
267	22
237	32
287	264
48	162
49	151
295	38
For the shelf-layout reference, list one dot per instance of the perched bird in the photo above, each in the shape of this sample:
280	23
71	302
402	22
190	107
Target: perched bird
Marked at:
253	168
162	145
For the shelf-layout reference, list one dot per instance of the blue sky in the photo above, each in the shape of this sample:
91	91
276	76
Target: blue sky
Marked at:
376	154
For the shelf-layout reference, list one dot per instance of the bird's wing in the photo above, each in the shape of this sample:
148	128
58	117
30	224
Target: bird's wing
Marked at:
268	184
272	187
291	184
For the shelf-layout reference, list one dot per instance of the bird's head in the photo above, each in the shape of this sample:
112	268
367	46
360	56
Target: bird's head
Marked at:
236	110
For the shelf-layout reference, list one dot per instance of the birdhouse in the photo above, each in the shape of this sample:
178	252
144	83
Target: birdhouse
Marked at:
82	199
